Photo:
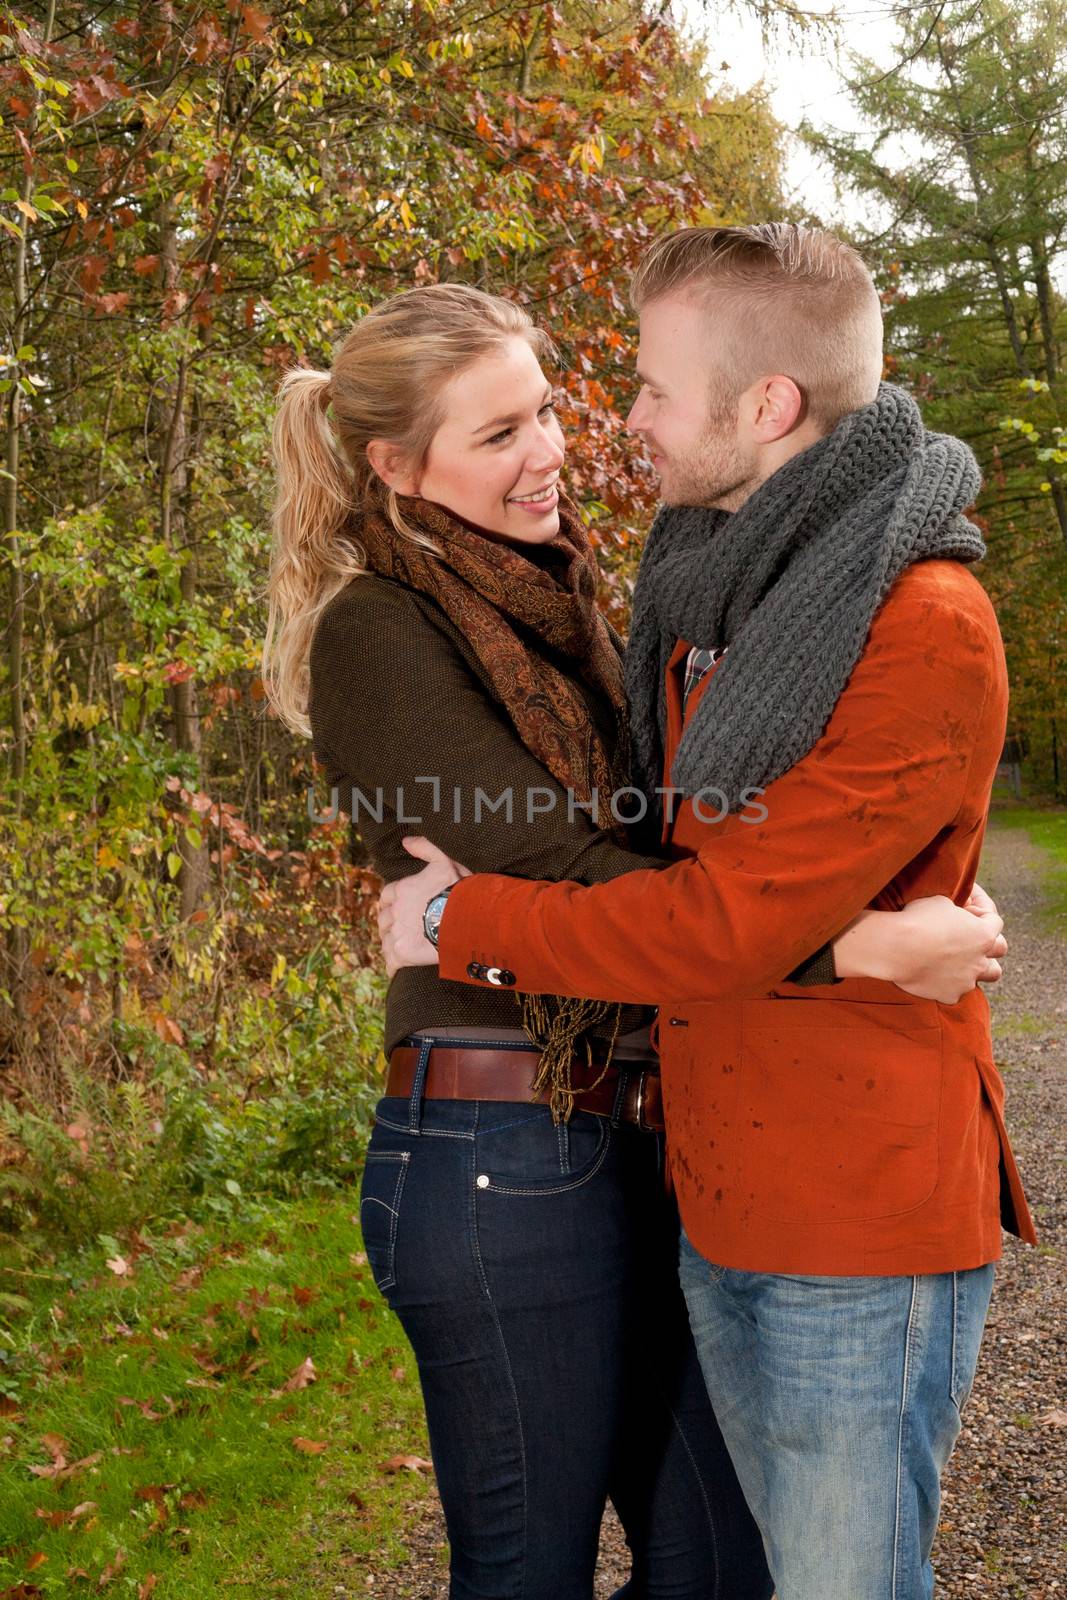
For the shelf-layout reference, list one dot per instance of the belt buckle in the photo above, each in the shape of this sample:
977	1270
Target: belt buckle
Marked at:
641	1123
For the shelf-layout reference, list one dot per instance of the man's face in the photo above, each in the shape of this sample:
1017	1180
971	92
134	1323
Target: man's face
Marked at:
691	432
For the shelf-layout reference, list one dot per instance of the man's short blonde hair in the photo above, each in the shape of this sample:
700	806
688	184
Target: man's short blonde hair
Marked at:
780	298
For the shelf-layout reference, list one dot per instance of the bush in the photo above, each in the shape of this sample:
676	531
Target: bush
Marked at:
283	1111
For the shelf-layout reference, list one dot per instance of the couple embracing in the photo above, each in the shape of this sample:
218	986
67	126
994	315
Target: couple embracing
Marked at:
690	1170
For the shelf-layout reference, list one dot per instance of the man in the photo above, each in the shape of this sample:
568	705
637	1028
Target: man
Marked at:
813	670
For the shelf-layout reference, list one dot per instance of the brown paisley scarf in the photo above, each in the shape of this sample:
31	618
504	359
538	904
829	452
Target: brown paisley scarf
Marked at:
498	597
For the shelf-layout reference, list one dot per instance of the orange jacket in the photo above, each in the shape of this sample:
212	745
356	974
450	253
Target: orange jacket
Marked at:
847	1129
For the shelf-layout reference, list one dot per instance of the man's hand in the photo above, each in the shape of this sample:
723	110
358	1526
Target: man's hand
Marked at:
932	948
401	906
963	955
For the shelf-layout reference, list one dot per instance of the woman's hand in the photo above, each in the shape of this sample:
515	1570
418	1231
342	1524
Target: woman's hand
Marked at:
933	948
401	905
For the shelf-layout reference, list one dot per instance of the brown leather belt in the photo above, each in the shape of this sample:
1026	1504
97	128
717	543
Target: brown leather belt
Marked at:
487	1074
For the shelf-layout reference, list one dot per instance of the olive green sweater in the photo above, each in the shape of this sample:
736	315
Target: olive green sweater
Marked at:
399	699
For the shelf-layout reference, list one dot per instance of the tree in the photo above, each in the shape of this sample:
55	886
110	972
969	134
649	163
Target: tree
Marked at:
967	162
208	193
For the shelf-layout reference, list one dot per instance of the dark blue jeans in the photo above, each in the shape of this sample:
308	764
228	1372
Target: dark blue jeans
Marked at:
534	1270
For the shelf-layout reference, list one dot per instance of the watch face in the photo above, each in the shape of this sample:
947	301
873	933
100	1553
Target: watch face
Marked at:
432	917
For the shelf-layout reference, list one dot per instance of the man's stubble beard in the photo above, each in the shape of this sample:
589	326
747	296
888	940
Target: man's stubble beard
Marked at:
717	473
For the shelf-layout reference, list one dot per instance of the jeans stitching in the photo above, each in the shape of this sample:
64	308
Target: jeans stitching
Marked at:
704	1497
953	1387
425	1133
901	1429
563	1188
516	1122
403	1157
418	1089
477	1044
479	1263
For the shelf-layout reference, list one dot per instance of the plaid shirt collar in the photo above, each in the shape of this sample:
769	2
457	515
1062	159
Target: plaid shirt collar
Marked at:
698	662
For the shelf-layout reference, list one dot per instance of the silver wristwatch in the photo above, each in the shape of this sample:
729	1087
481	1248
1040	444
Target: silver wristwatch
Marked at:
435	910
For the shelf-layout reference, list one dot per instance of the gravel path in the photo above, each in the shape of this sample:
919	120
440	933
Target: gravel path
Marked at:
1004	1511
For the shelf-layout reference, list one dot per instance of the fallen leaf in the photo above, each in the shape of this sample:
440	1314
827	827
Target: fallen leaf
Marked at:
61	1519
146	1409
1056	1418
112	1570
310	1447
304	1374
60	1473
120	1267
405	1464
156	1493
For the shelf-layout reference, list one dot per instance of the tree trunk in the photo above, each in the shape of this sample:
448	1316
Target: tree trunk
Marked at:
173	481
17	942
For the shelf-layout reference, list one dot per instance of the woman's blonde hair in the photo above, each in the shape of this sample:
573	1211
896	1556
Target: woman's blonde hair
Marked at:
385	382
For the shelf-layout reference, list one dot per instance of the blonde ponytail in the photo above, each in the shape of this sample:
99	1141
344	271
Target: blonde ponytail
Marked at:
310	562
385	383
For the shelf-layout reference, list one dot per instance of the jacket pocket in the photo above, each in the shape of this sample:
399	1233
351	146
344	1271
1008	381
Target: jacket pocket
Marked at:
839	1114
379	1211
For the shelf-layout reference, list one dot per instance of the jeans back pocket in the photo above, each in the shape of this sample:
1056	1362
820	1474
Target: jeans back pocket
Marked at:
379	1211
528	1155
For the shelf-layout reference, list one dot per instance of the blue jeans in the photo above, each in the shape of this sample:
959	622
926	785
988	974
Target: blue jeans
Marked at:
840	1402
534	1270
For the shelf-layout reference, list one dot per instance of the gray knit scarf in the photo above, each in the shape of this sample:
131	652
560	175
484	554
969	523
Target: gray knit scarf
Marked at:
791	583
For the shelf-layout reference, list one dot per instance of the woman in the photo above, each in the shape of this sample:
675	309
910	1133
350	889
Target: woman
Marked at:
433	627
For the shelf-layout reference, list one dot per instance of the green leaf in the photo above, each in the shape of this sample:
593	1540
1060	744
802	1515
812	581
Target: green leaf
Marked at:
174	863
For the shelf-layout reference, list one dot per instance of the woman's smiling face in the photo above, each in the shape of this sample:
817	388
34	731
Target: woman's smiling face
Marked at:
496	457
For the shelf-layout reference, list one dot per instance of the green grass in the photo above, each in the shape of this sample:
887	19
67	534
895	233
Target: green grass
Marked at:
165	1377
1022	1025
1048	831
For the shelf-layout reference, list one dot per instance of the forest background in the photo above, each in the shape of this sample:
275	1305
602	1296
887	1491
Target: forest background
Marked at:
200	195
195	197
